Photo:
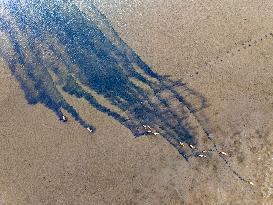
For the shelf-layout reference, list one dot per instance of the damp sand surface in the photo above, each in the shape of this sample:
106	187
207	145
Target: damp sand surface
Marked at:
223	49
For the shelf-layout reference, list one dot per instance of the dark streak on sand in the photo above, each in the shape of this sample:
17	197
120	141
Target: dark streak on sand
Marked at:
54	44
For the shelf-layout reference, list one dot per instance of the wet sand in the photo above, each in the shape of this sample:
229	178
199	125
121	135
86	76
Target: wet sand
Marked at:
222	49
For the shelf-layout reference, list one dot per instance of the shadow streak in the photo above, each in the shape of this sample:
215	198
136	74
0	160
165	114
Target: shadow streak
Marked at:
57	47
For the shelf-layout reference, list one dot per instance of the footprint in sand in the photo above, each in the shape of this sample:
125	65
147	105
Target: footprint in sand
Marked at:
240	47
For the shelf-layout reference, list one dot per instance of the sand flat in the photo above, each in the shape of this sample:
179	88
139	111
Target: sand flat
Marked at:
223	49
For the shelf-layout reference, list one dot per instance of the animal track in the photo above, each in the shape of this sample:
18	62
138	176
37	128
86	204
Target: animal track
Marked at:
240	47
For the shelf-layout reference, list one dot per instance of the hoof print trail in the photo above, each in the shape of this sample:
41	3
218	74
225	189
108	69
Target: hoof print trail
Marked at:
243	46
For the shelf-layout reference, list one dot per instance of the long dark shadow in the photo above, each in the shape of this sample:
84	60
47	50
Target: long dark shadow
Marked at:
57	47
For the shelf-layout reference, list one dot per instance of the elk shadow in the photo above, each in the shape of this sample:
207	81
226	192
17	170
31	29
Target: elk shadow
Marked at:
57	47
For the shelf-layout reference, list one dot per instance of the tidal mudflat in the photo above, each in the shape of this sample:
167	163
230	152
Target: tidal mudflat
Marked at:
175	110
